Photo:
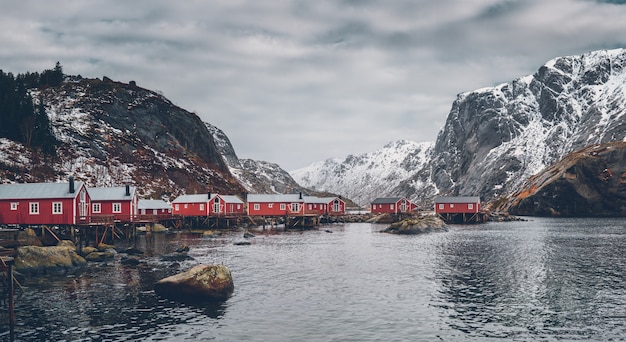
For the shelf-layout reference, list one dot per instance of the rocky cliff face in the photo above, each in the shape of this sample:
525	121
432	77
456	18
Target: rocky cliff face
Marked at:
255	176
114	133
589	182
495	138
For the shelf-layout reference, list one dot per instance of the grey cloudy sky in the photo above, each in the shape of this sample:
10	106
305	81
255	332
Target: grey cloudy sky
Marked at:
298	81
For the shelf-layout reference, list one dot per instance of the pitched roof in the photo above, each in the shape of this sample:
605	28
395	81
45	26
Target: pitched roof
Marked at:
386	200
195	198
457	199
268	198
114	193
38	190
231	199
153	204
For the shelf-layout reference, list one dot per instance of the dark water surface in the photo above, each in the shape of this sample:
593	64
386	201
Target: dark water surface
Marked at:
544	280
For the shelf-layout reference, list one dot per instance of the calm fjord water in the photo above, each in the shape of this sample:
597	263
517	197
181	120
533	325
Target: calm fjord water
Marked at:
544	279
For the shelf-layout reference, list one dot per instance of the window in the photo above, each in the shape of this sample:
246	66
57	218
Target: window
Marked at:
257	206
34	208
201	206
238	206
391	206
176	207
270	205
441	206
336	205
117	207
96	208
57	208
470	206
14	205
310	206
451	205
295	207
283	206
186	205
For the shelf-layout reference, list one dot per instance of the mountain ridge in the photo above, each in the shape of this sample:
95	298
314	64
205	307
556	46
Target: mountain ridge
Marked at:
496	137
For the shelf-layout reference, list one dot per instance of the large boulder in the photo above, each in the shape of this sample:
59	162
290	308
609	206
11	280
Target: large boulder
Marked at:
202	282
417	225
35	260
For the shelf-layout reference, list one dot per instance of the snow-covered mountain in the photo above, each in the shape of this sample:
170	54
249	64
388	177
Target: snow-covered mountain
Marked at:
496	137
367	176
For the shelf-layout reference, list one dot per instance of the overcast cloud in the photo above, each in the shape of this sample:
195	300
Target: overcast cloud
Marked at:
294	82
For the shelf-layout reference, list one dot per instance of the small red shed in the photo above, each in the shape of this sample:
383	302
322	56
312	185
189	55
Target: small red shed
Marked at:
119	202
275	204
392	205
457	205
44	203
333	206
211	205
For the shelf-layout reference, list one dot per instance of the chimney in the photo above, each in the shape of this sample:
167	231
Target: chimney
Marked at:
301	195
72	185
127	190
209	194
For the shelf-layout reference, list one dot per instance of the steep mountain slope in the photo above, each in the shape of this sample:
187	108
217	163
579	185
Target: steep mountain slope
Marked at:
256	176
495	138
588	182
114	133
364	177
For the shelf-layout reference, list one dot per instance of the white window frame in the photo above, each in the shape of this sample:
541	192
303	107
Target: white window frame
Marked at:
295	207
442	206
257	206
96	208
57	208
14	205
283	206
201	206
391	206
33	208
270	205
239	206
177	207
470	205
116	208
451	205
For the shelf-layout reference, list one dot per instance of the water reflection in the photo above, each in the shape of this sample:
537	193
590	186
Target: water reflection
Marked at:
542	278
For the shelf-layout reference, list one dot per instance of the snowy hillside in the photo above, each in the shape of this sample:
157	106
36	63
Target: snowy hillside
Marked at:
364	177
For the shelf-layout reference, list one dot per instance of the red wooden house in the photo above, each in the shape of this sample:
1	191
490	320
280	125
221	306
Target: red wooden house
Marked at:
154	207
119	202
392	205
333	206
208	205
44	203
457	205
275	204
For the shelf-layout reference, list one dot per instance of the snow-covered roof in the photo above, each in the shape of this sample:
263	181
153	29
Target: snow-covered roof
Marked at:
38	190
111	193
153	204
457	199
274	198
386	200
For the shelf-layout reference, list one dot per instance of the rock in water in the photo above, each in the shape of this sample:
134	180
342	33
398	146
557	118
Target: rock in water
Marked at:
47	260
202	282
417	225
